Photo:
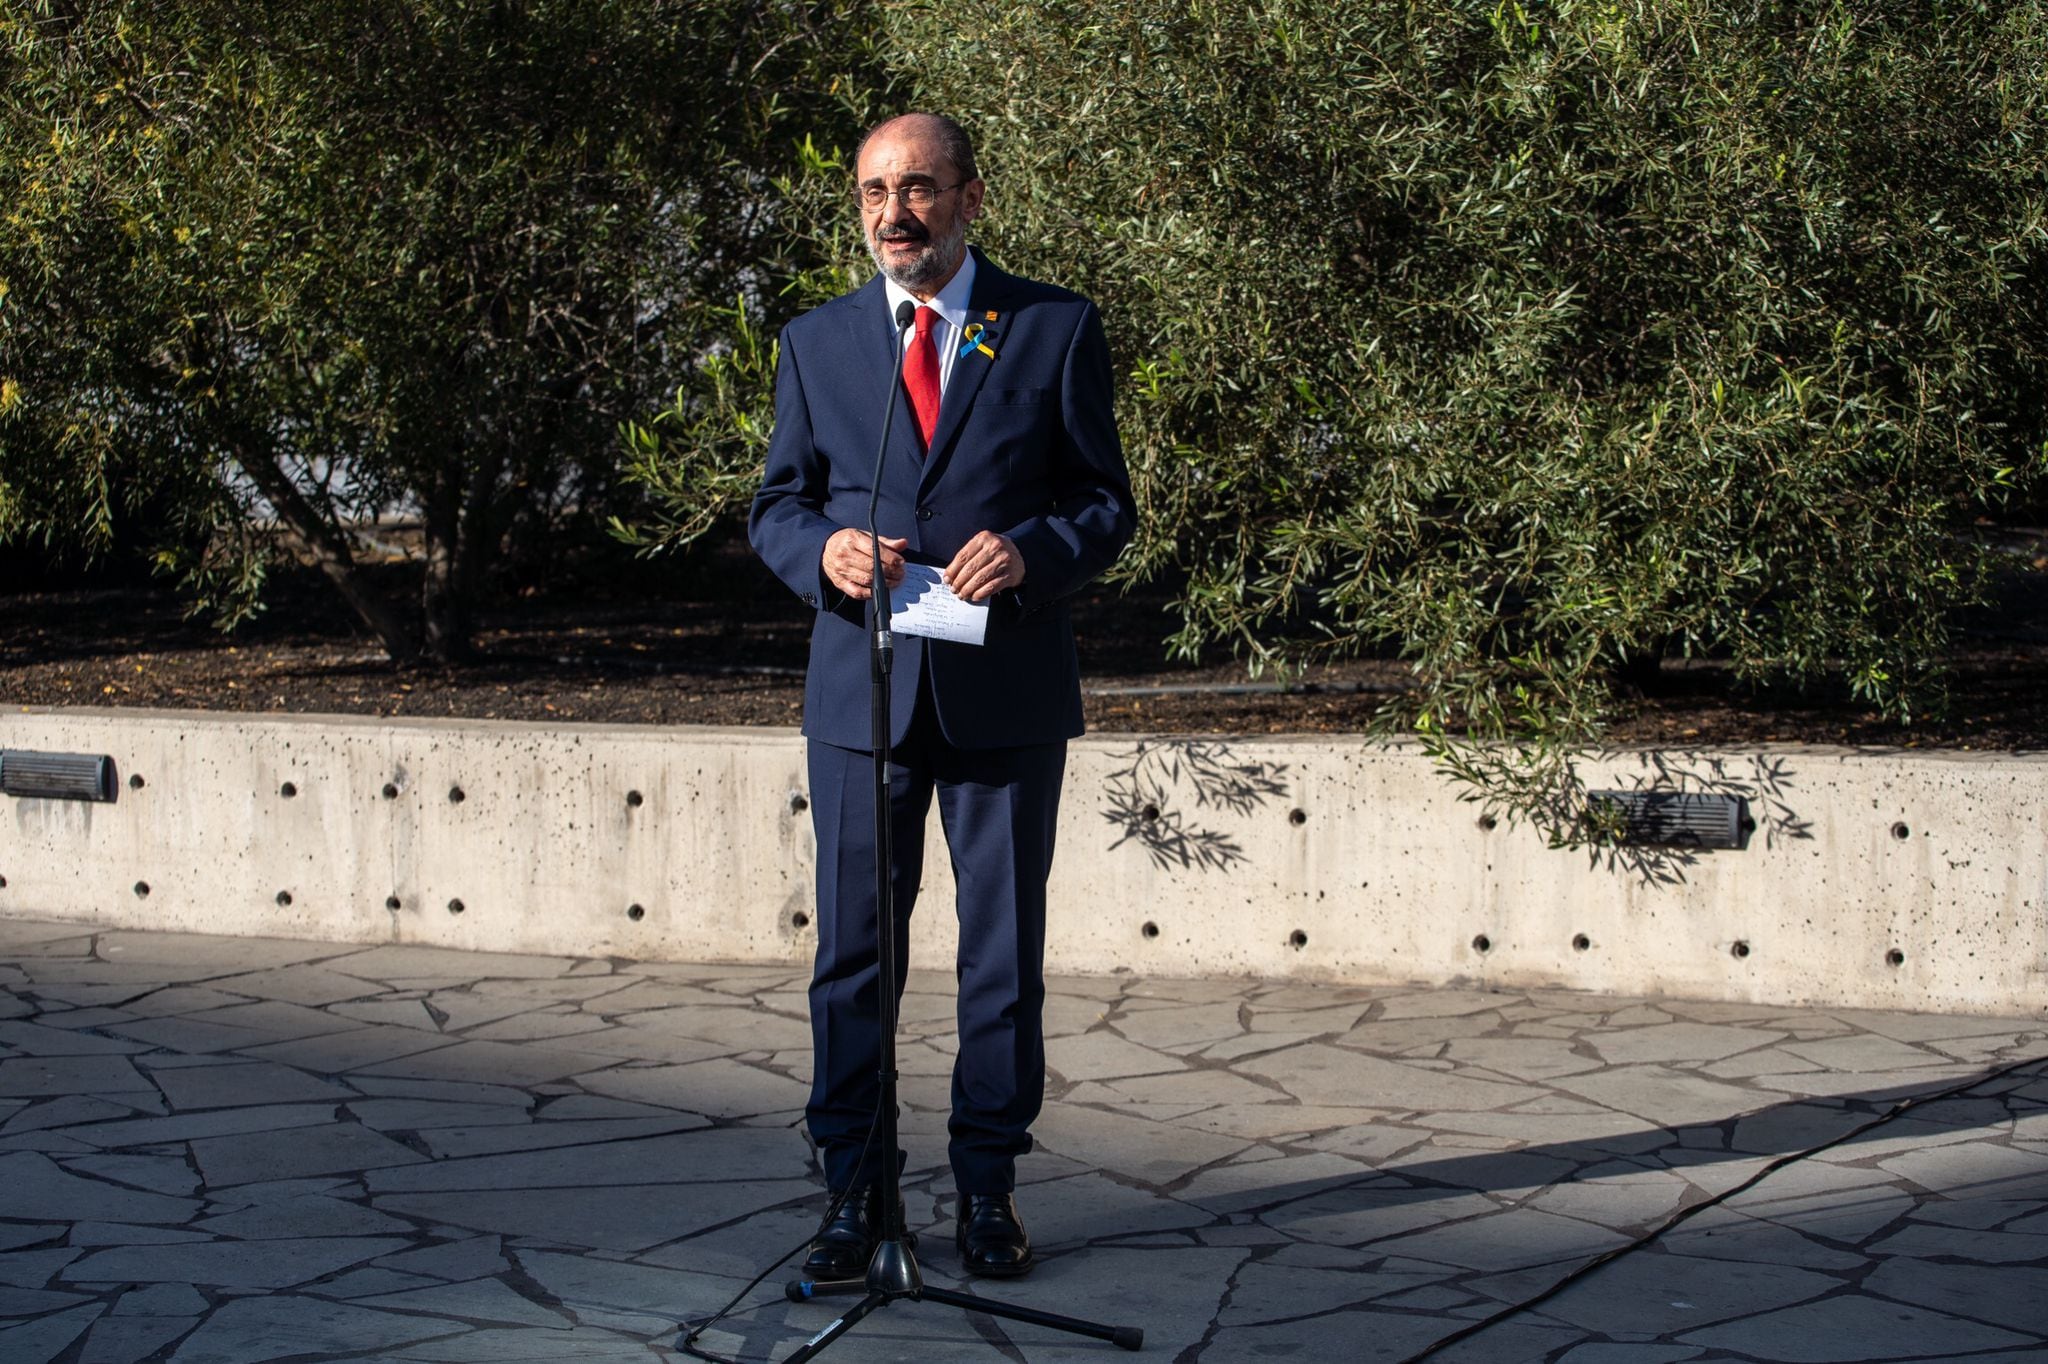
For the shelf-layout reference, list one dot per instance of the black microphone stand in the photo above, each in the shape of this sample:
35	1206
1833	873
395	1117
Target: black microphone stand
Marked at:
893	1272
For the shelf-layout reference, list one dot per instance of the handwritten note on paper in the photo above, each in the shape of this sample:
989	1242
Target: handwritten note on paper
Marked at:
924	605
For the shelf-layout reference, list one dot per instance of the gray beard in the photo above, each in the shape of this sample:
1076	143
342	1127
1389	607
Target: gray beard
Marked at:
931	265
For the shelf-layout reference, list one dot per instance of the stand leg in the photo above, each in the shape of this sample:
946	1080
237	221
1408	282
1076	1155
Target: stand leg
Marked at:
1125	1337
811	1348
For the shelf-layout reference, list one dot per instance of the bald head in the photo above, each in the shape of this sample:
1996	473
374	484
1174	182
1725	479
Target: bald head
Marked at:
950	137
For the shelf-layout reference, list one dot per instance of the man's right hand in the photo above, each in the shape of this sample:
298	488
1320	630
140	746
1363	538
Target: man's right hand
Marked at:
850	566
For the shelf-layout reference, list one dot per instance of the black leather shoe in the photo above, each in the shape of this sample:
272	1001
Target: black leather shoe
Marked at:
842	1250
991	1238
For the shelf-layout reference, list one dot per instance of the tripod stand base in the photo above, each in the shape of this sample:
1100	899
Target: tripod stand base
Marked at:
893	1274
1123	1337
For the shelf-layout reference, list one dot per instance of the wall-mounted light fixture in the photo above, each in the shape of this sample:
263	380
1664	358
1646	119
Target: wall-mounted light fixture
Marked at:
1677	819
56	776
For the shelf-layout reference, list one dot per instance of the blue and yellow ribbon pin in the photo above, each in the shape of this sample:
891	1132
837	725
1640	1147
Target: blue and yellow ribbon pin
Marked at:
975	337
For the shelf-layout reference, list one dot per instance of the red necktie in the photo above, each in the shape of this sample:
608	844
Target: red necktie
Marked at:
921	374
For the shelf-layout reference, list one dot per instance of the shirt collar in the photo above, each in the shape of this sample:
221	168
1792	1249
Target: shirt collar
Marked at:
950	302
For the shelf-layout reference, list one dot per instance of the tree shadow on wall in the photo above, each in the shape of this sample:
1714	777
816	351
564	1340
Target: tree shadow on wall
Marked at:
1157	797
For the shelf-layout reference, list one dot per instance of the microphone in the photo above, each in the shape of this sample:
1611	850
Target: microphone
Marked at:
885	642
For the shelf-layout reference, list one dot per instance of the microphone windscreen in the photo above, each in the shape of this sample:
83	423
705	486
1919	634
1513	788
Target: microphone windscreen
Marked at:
906	312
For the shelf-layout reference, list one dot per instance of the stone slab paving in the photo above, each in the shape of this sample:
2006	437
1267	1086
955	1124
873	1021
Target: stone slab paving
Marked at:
224	1151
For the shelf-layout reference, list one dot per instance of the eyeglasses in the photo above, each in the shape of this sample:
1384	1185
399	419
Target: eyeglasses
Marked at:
916	198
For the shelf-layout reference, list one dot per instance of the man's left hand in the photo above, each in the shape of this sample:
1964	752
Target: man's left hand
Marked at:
985	566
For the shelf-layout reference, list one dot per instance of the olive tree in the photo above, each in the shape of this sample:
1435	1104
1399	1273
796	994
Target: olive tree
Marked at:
279	260
1534	343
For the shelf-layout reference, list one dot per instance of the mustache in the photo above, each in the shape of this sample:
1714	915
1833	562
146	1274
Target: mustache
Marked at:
901	232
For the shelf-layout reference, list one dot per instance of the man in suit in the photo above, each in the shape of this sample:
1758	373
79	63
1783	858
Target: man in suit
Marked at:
1003	469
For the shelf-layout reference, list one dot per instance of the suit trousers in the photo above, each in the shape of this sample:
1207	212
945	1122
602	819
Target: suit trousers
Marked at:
998	807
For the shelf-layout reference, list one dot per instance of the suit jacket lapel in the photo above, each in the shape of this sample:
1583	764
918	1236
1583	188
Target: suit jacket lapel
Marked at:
970	371
874	340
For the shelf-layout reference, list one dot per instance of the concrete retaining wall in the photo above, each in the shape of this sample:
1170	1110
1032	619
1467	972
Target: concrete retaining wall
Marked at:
1892	880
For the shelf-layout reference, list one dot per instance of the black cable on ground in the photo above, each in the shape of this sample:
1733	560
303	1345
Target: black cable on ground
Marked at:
688	1343
1609	1257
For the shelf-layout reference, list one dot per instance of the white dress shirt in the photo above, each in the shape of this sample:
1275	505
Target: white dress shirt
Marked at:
950	303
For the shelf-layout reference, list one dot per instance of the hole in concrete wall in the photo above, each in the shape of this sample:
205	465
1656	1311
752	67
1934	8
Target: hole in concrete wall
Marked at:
634	799
455	906
284	897
1150	930
636	913
135	781
1488	823
1297	817
1149	814
1901	832
1895	958
456	795
3	883
142	890
1297	940
800	919
288	790
797	803
391	790
1581	942
1482	944
393	903
1739	949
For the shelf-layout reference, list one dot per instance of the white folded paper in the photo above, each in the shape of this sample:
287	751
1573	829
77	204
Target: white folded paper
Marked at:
923	605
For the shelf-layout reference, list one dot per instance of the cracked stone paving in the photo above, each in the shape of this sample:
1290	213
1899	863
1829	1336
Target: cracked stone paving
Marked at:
223	1150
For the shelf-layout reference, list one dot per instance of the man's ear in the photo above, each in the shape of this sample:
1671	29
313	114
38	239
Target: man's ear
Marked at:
970	200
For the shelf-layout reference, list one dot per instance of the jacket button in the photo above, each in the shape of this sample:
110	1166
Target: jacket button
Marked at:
924	513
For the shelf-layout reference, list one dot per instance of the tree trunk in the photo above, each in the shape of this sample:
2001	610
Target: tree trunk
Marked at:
329	548
441	608
460	542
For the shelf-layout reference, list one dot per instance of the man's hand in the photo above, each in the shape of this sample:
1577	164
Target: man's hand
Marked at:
985	566
850	565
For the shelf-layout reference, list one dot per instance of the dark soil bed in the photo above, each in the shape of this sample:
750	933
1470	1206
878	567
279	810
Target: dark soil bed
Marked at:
715	641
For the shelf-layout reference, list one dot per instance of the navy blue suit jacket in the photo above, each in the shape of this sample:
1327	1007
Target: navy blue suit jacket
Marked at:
1025	446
